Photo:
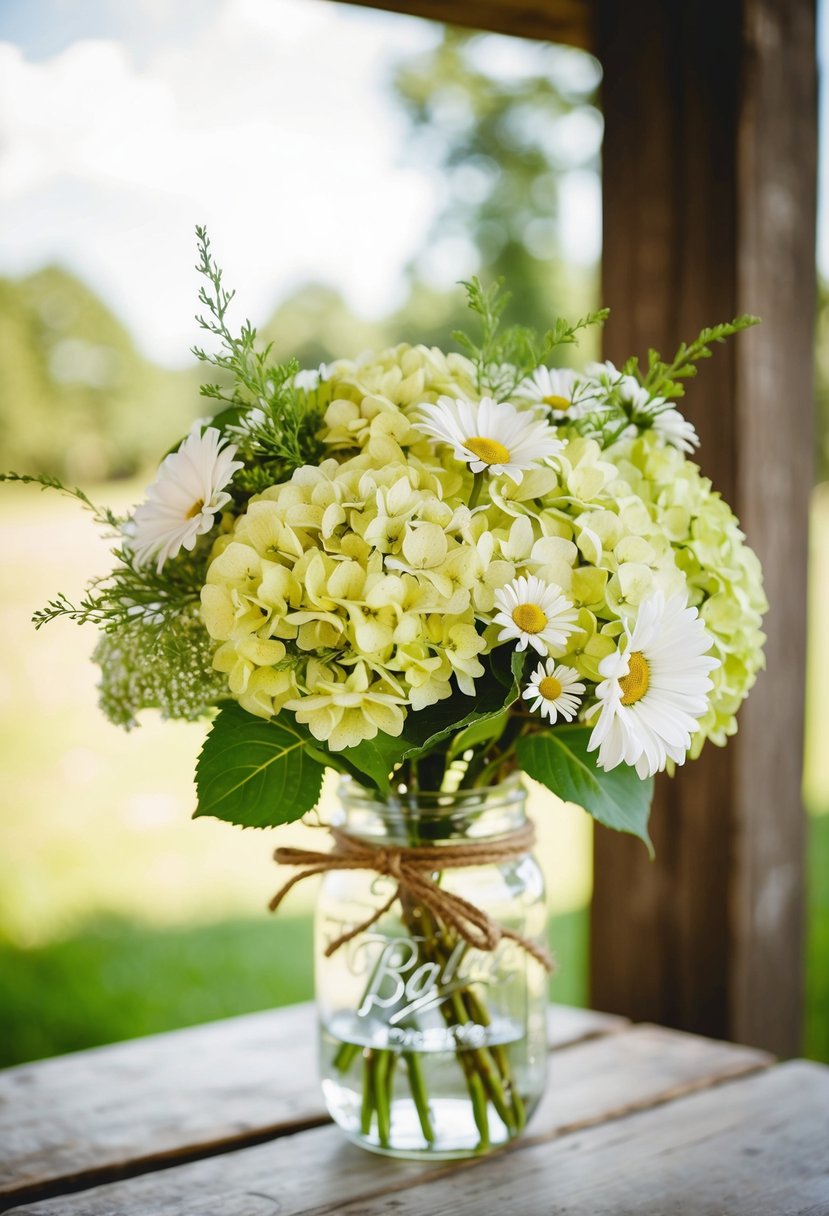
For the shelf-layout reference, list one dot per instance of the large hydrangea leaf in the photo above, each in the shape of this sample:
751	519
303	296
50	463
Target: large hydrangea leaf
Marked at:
256	773
559	759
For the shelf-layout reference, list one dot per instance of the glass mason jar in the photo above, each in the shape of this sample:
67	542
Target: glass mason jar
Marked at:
430	1047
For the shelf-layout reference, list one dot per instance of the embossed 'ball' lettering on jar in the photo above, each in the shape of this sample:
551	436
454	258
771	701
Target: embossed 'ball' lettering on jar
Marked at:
432	979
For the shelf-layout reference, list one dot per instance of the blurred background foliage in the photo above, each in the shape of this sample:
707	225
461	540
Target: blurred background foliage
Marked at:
76	397
118	916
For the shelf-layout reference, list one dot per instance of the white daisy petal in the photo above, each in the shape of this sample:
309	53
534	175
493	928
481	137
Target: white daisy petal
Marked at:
654	689
185	497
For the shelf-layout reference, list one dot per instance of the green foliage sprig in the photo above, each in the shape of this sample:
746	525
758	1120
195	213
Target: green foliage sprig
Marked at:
665	379
506	357
132	593
102	515
270	421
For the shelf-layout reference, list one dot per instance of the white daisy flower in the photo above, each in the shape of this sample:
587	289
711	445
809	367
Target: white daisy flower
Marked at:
550	387
184	498
676	430
555	690
565	394
490	436
655	688
534	613
606	374
654	412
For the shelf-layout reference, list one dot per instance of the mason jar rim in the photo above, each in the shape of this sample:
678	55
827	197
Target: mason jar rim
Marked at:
510	791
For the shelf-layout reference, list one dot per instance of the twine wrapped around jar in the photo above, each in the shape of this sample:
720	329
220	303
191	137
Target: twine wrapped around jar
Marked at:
413	868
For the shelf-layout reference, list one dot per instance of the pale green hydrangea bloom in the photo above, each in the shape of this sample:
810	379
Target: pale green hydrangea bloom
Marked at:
365	587
722	573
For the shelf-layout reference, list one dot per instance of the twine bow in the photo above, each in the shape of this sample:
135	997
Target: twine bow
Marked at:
413	868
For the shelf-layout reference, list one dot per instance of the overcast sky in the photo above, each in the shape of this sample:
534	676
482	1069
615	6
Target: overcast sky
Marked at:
124	124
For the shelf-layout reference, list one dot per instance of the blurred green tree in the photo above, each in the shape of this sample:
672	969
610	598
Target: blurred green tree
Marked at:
501	121
315	325
77	399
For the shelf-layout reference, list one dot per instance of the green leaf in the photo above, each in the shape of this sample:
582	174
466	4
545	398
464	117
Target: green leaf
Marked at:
425	730
559	759
482	730
377	757
254	772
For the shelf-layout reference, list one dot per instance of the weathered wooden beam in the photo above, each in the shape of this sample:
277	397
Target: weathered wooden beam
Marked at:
709	210
567	21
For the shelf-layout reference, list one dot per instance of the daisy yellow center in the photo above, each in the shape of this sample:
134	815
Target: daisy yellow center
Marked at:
557	403
490	451
196	509
635	684
529	618
550	688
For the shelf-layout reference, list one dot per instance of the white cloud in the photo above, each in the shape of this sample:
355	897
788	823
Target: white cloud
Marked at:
272	126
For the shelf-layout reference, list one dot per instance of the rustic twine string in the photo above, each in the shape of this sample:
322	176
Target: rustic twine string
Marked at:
413	868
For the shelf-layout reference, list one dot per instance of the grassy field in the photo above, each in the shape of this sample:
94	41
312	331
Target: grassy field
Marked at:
120	916
117	979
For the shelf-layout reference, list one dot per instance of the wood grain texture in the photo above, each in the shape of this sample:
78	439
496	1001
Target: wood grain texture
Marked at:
754	1148
709	199
568	21
317	1170
189	1092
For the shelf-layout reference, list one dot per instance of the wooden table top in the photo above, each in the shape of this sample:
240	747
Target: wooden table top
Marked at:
227	1119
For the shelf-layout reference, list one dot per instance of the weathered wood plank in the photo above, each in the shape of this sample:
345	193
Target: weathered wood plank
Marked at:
317	1169
754	1148
709	205
568	21
179	1094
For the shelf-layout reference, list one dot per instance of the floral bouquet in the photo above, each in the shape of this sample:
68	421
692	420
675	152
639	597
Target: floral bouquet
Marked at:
425	571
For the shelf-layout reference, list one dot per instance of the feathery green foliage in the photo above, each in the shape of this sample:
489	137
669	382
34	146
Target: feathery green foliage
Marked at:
665	379
269	419
503	358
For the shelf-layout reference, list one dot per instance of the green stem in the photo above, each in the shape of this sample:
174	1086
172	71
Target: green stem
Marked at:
418	1087
480	1059
346	1054
477	486
381	1096
367	1109
479	1106
485	778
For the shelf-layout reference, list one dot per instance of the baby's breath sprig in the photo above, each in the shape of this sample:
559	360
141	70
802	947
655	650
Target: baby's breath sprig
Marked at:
170	671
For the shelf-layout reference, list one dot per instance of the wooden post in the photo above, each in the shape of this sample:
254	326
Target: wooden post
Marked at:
709	210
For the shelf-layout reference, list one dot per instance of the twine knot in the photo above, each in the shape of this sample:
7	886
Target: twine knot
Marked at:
389	861
414	869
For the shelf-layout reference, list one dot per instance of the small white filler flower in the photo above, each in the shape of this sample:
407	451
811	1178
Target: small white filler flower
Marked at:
655	689
183	500
555	689
534	613
490	436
